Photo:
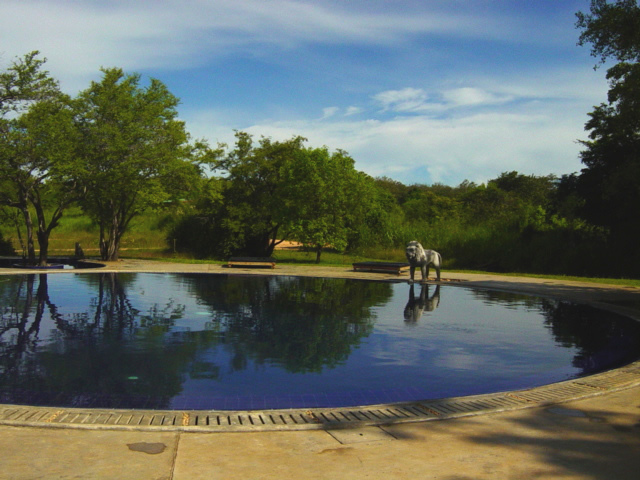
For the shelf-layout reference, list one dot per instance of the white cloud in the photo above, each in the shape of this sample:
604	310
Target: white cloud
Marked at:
80	36
418	101
352	111
470	96
422	149
405	100
329	112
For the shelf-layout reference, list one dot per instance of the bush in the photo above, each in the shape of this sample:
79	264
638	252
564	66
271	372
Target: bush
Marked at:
6	247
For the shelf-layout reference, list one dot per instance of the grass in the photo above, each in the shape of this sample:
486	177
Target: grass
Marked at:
302	258
146	239
145	235
629	282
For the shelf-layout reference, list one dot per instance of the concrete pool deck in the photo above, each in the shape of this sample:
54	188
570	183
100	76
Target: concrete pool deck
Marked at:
597	437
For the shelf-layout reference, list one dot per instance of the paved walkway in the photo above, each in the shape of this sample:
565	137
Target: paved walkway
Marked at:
594	438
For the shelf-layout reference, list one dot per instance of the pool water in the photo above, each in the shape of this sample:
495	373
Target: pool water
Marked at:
203	341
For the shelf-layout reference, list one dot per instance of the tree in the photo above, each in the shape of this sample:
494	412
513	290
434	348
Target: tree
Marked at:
134	153
610	181
252	219
323	195
528	188
271	191
24	82
612	29
424	205
36	149
32	146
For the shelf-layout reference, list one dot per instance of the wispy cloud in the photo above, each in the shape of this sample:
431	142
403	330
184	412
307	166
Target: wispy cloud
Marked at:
452	134
405	100
423	90
329	112
80	36
352	111
418	101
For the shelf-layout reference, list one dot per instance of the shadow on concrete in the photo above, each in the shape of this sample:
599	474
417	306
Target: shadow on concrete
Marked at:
552	442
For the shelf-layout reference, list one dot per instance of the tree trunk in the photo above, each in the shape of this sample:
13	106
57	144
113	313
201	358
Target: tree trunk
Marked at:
31	249
44	230
109	248
43	241
318	253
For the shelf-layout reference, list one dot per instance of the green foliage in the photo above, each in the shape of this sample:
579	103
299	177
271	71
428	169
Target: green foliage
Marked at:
24	82
35	146
253	214
513	223
612	29
134	153
609	185
328	202
273	191
6	247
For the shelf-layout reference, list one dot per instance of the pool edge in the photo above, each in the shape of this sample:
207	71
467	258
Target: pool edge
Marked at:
321	418
346	417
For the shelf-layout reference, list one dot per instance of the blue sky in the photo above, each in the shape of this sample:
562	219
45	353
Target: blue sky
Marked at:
420	91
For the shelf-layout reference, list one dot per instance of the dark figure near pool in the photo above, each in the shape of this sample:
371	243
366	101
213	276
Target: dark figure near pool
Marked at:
417	256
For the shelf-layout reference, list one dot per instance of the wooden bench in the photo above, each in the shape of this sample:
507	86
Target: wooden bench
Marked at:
384	267
252	262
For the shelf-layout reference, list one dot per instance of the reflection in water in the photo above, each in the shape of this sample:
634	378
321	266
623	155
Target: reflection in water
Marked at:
85	356
416	306
584	329
600	339
106	349
302	324
213	341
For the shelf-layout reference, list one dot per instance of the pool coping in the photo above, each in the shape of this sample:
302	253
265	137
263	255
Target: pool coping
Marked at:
321	418
345	417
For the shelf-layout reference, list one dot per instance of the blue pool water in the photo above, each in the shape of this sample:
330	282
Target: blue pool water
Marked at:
201	341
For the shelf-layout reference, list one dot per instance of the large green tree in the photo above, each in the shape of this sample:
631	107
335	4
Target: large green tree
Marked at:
35	151
135	153
269	191
253	218
35	140
324	193
610	181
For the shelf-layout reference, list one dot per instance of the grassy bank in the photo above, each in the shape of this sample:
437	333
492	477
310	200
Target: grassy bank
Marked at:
147	240
297	257
146	235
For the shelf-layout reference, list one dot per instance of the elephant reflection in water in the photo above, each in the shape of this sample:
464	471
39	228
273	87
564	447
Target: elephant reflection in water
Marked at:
416	306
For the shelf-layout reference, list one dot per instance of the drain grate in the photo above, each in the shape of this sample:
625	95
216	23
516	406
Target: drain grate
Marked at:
318	418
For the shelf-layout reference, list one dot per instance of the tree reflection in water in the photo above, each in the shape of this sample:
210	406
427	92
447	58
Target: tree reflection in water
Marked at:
143	341
87	357
300	324
602	340
106	351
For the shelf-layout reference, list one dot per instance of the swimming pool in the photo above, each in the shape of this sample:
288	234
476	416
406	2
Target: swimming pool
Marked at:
203	341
